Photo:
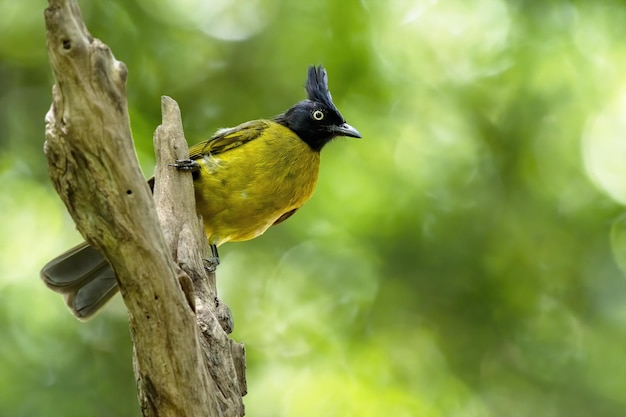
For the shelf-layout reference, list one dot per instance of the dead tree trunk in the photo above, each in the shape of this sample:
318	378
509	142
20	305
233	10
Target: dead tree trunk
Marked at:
184	362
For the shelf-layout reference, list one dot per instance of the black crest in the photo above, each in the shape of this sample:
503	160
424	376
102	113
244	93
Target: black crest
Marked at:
316	121
317	87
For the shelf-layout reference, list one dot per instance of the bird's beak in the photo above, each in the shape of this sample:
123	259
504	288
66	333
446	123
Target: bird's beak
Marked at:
346	130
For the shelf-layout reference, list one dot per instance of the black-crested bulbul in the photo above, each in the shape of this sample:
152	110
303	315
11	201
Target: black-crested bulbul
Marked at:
246	179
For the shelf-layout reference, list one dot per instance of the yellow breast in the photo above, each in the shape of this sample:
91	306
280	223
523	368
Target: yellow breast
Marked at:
241	192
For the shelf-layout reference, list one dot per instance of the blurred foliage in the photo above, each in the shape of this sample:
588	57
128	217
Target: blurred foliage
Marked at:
465	258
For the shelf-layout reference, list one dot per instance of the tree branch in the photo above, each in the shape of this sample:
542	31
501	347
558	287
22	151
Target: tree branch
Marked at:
185	364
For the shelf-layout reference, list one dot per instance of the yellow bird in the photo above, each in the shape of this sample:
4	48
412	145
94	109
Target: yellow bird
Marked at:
246	179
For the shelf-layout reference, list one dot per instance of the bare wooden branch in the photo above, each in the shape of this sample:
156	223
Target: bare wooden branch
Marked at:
173	194
183	367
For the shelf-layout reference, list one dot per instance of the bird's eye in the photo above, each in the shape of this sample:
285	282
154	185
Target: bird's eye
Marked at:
318	115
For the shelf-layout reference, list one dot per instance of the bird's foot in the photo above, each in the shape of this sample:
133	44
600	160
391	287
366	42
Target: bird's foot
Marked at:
211	264
186	165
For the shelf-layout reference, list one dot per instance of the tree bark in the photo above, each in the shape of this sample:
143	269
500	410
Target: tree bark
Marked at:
184	362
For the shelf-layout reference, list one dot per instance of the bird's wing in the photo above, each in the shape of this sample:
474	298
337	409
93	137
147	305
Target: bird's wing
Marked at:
285	216
226	139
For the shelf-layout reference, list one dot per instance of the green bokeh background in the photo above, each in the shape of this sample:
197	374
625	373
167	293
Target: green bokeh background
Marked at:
463	259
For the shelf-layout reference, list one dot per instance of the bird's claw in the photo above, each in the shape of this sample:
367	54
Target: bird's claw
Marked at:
186	165
210	265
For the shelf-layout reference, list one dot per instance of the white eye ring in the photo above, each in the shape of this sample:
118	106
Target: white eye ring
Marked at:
318	115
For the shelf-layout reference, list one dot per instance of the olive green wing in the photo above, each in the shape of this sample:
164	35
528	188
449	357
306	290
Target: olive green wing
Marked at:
230	138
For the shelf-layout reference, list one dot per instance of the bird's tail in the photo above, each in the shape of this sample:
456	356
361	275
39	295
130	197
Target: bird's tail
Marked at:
84	277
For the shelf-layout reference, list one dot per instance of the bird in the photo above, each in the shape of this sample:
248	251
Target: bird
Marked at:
246	179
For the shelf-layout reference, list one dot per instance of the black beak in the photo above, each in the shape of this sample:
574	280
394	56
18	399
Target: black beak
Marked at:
346	130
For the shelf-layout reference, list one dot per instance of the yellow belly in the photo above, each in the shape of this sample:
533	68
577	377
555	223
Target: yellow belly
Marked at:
241	192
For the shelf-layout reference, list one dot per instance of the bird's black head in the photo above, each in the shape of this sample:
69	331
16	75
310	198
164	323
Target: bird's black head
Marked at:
316	120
